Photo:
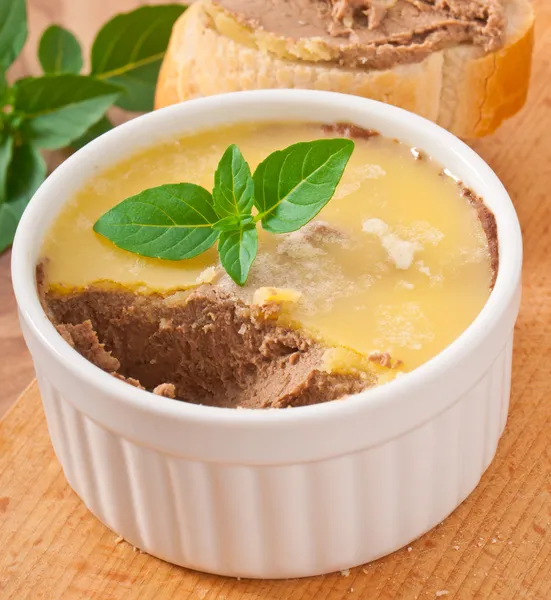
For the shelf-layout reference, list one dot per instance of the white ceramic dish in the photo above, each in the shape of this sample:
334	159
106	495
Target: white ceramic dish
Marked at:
283	493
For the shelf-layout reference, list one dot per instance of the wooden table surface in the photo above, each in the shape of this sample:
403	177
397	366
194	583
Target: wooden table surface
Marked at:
497	545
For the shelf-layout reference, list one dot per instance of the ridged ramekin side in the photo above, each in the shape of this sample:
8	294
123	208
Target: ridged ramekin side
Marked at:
290	520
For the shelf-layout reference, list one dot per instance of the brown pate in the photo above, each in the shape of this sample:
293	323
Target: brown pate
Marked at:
377	34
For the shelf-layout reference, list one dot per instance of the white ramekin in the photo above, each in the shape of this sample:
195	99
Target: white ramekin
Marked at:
286	493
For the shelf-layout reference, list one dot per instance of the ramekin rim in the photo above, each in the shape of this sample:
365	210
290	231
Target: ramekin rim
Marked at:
505	287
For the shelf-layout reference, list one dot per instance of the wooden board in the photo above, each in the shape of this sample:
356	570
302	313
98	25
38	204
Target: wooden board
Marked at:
497	544
16	367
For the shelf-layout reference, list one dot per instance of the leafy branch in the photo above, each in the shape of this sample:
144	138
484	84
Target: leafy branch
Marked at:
64	107
182	220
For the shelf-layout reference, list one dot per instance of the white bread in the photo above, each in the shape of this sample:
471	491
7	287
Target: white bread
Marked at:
461	88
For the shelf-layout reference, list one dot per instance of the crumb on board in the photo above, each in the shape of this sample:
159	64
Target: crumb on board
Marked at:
410	548
345	572
119	540
441	593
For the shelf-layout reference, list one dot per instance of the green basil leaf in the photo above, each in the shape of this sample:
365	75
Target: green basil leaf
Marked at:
237	250
246	220
58	109
13	30
26	172
293	185
59	51
10	215
229	223
233	192
6	152
102	126
4	87
129	50
171	222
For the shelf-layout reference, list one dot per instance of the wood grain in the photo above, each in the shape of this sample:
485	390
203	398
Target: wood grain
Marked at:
497	544
16	369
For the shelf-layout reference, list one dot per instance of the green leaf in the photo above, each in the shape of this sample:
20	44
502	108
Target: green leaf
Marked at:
233	192
129	50
6	152
171	222
237	250
26	173
3	89
230	223
102	126
13	30
59	51
10	215
58	109
293	185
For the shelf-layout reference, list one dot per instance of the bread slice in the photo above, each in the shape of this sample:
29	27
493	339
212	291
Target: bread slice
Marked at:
462	88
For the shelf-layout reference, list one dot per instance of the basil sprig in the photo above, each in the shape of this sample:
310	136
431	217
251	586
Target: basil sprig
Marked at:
64	107
179	221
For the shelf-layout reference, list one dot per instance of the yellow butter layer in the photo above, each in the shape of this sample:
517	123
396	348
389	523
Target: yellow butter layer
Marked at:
397	261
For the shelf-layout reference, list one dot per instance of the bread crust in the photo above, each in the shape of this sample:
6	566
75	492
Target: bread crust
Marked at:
464	90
